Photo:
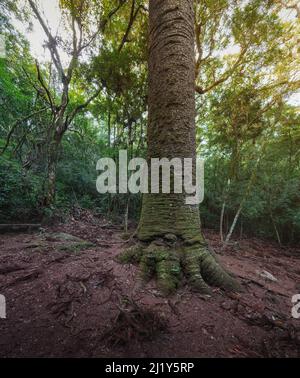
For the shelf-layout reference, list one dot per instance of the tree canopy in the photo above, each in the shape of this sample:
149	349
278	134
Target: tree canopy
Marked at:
91	98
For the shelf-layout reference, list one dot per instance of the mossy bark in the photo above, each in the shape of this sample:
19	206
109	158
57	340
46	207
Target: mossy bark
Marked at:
169	230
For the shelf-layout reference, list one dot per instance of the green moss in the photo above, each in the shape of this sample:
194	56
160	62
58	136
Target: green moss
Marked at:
161	254
167	214
166	263
167	281
63	237
191	263
131	255
126	235
194	240
215	275
147	266
74	247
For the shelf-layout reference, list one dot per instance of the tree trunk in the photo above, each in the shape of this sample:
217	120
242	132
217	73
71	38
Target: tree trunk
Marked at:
222	222
171	124
169	229
232	228
50	184
109	128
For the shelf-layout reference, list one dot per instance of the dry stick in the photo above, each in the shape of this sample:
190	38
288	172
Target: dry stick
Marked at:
233	224
18	227
275	227
221	222
251	181
223	213
268	106
277	233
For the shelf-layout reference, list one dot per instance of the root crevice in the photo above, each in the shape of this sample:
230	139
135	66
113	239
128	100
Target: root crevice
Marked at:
172	263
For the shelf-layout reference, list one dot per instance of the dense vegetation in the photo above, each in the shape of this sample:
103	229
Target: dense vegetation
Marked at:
247	64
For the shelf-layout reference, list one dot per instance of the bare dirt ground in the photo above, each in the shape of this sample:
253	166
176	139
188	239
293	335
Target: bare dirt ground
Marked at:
68	299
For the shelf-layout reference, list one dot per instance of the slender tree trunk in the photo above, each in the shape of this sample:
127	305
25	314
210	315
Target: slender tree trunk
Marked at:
109	128
50	184
222	222
274	223
225	198
245	197
169	229
276	230
232	228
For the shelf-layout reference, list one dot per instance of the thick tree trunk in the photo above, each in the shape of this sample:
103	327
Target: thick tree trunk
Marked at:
169	230
171	125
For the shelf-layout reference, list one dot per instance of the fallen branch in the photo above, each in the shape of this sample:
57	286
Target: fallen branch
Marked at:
4	228
26	277
11	269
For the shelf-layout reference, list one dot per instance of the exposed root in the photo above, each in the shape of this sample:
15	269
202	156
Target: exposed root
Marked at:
215	275
132	255
169	262
134	323
191	260
167	267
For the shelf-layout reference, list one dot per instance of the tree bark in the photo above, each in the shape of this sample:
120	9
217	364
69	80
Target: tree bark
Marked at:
169	230
171	125
50	182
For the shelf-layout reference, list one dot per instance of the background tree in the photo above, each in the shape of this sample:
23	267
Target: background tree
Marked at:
78	18
248	71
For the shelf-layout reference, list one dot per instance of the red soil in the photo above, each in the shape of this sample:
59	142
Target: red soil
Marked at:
61	304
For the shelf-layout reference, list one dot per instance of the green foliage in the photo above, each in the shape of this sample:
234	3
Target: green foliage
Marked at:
19	191
247	64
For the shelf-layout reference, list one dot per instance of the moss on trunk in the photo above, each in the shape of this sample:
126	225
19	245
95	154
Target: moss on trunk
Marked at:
171	245
174	264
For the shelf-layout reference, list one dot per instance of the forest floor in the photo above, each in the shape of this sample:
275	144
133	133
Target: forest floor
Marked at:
66	298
